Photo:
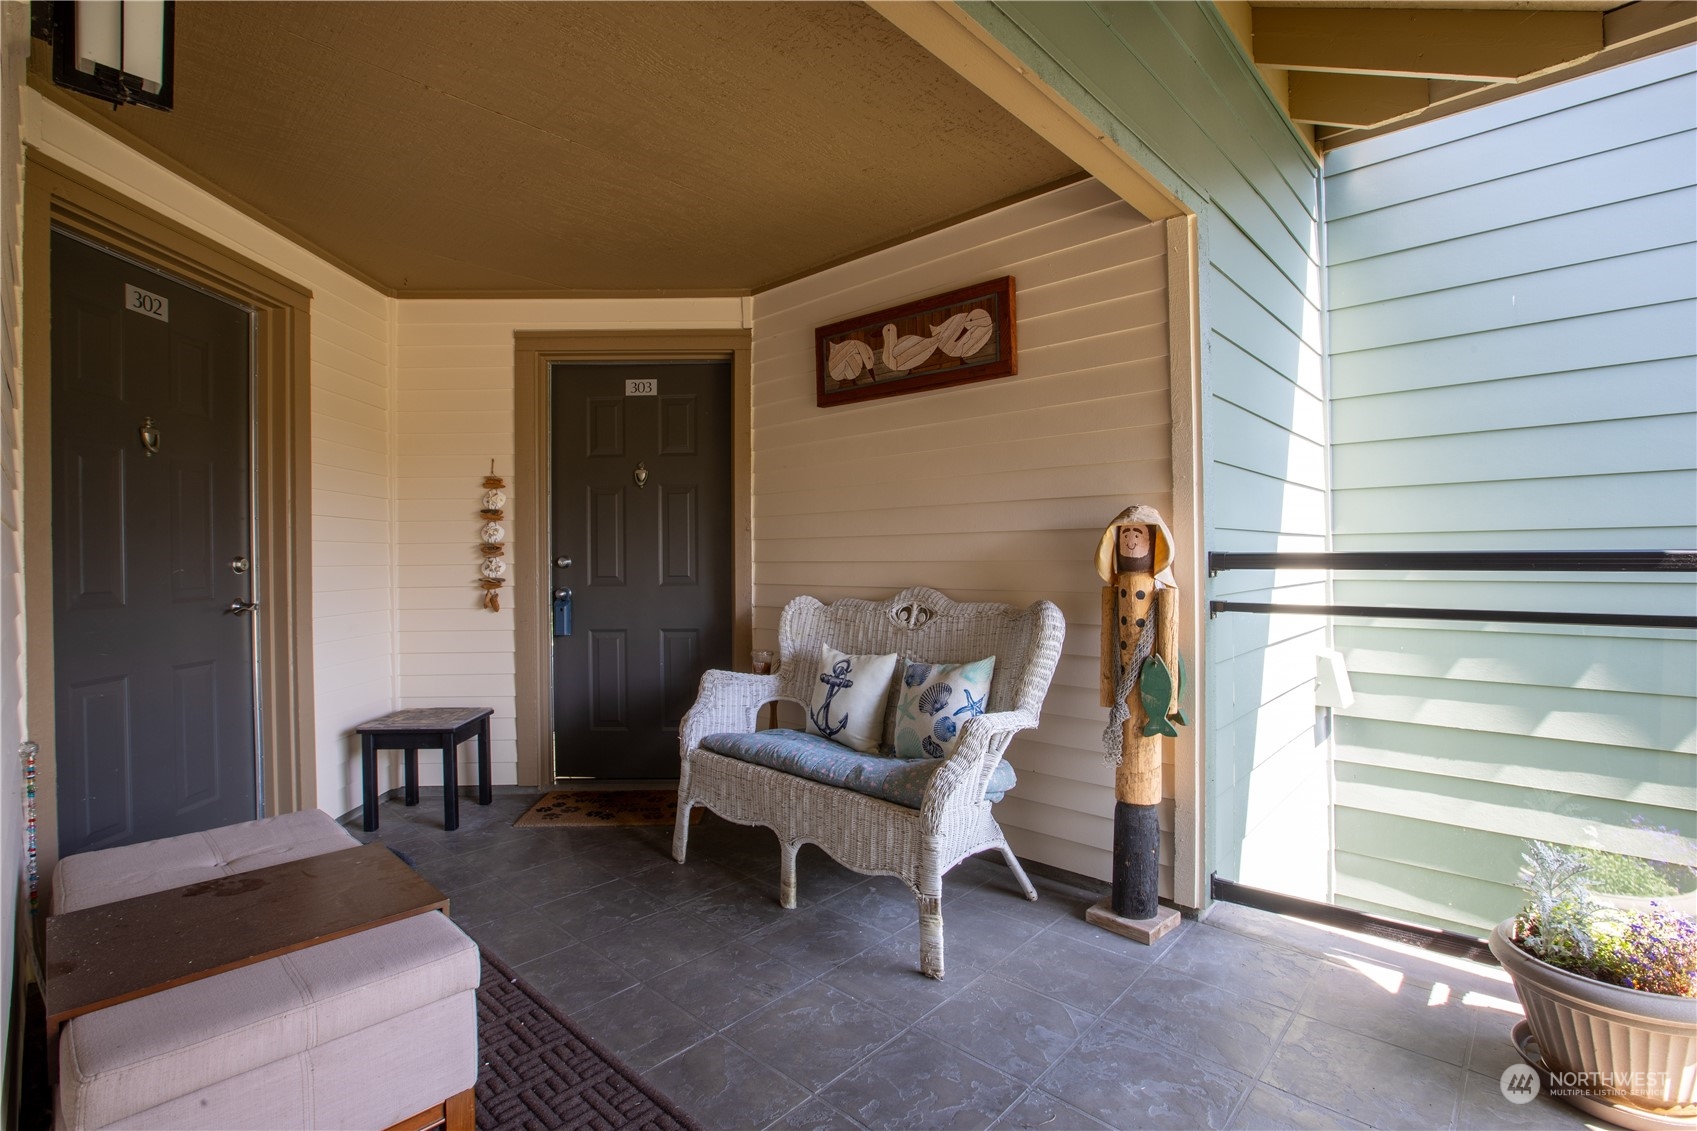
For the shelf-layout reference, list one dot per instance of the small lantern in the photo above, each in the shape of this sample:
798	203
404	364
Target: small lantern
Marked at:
119	51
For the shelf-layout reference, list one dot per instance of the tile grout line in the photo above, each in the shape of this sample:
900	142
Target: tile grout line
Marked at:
482	862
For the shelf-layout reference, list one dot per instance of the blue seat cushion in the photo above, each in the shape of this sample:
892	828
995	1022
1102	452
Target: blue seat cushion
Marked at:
900	780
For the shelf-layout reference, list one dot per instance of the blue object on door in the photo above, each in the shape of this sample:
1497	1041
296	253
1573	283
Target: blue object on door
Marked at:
562	612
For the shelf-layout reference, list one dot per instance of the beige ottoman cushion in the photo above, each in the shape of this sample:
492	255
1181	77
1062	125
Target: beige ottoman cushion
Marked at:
282	1019
365	1079
90	879
361	1031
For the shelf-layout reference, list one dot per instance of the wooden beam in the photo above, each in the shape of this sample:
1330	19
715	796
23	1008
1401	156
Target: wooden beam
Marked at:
1632	22
958	40
1440	43
1452	98
1442	90
1327	99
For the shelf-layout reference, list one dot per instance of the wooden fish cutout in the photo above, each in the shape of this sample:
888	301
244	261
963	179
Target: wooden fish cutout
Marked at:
1156	687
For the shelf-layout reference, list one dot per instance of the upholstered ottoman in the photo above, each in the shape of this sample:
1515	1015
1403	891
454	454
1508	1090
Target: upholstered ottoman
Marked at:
366	1031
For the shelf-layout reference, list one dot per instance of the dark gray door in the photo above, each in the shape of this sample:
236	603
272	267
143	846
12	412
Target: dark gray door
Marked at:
642	509
153	671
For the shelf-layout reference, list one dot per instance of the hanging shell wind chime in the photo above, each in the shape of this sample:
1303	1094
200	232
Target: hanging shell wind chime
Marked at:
494	535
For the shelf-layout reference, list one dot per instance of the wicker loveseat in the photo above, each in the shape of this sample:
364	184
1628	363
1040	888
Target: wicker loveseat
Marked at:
947	817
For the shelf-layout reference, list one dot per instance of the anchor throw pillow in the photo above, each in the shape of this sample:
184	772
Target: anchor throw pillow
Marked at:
935	700
848	698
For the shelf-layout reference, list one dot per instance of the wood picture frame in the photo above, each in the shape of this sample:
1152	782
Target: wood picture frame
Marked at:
947	339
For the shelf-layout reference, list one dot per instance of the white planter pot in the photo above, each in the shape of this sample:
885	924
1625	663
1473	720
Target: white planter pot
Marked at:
1639	1047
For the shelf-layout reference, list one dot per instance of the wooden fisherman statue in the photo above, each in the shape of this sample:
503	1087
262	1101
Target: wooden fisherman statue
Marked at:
1141	681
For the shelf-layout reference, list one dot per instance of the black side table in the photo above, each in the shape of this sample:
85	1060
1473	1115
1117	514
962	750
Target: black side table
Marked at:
426	728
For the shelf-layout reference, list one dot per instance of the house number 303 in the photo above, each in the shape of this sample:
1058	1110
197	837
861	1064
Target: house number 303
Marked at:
642	387
146	302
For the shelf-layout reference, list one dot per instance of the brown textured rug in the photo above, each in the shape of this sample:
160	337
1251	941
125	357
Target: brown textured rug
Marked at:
600	808
537	1071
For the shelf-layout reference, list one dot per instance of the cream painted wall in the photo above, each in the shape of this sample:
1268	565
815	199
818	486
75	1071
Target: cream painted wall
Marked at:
454	415
411	400
991	491
14	48
352	386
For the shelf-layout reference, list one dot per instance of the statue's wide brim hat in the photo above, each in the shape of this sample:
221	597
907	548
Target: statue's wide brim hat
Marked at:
1138	515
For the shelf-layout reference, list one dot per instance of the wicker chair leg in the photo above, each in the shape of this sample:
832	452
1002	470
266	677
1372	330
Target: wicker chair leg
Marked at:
931	936
786	873
1018	872
680	832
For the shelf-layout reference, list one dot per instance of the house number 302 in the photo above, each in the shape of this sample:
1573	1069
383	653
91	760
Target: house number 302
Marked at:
146	302
642	387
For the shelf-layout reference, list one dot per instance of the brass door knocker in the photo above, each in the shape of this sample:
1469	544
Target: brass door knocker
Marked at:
149	436
641	475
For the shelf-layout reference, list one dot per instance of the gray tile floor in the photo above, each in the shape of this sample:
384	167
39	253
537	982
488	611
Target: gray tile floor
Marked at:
750	1016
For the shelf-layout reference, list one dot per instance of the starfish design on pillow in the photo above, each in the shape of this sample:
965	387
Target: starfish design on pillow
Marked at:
973	707
906	708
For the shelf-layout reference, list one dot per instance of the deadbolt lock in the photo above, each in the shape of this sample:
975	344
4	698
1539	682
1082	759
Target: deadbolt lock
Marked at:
239	565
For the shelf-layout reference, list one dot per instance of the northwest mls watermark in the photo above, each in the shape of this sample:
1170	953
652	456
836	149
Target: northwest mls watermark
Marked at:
1521	1085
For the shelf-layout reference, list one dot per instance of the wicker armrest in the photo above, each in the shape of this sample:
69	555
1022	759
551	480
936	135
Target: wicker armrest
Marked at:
983	738
727	702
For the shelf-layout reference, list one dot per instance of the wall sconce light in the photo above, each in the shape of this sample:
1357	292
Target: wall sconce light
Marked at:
119	51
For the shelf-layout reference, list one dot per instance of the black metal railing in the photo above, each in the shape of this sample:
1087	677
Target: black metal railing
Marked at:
1466	561
1348	918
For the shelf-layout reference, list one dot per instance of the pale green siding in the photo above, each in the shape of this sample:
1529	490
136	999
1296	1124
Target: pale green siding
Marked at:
1168	83
1513	324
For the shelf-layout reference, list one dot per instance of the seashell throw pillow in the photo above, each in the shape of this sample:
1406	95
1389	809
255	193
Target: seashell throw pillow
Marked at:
935	700
848	698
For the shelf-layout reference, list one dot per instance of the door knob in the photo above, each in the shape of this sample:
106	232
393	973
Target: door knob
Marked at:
239	606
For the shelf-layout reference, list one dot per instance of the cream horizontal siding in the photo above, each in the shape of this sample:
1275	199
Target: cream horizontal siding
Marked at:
995	491
1168	84
454	415
1514	325
14	50
352	381
353	613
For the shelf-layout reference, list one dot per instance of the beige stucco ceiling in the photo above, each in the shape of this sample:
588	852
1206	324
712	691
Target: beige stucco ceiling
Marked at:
584	147
481	146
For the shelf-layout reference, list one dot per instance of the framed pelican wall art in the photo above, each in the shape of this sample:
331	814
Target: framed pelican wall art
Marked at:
947	339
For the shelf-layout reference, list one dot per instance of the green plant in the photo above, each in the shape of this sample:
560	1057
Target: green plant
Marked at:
1654	950
1623	875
